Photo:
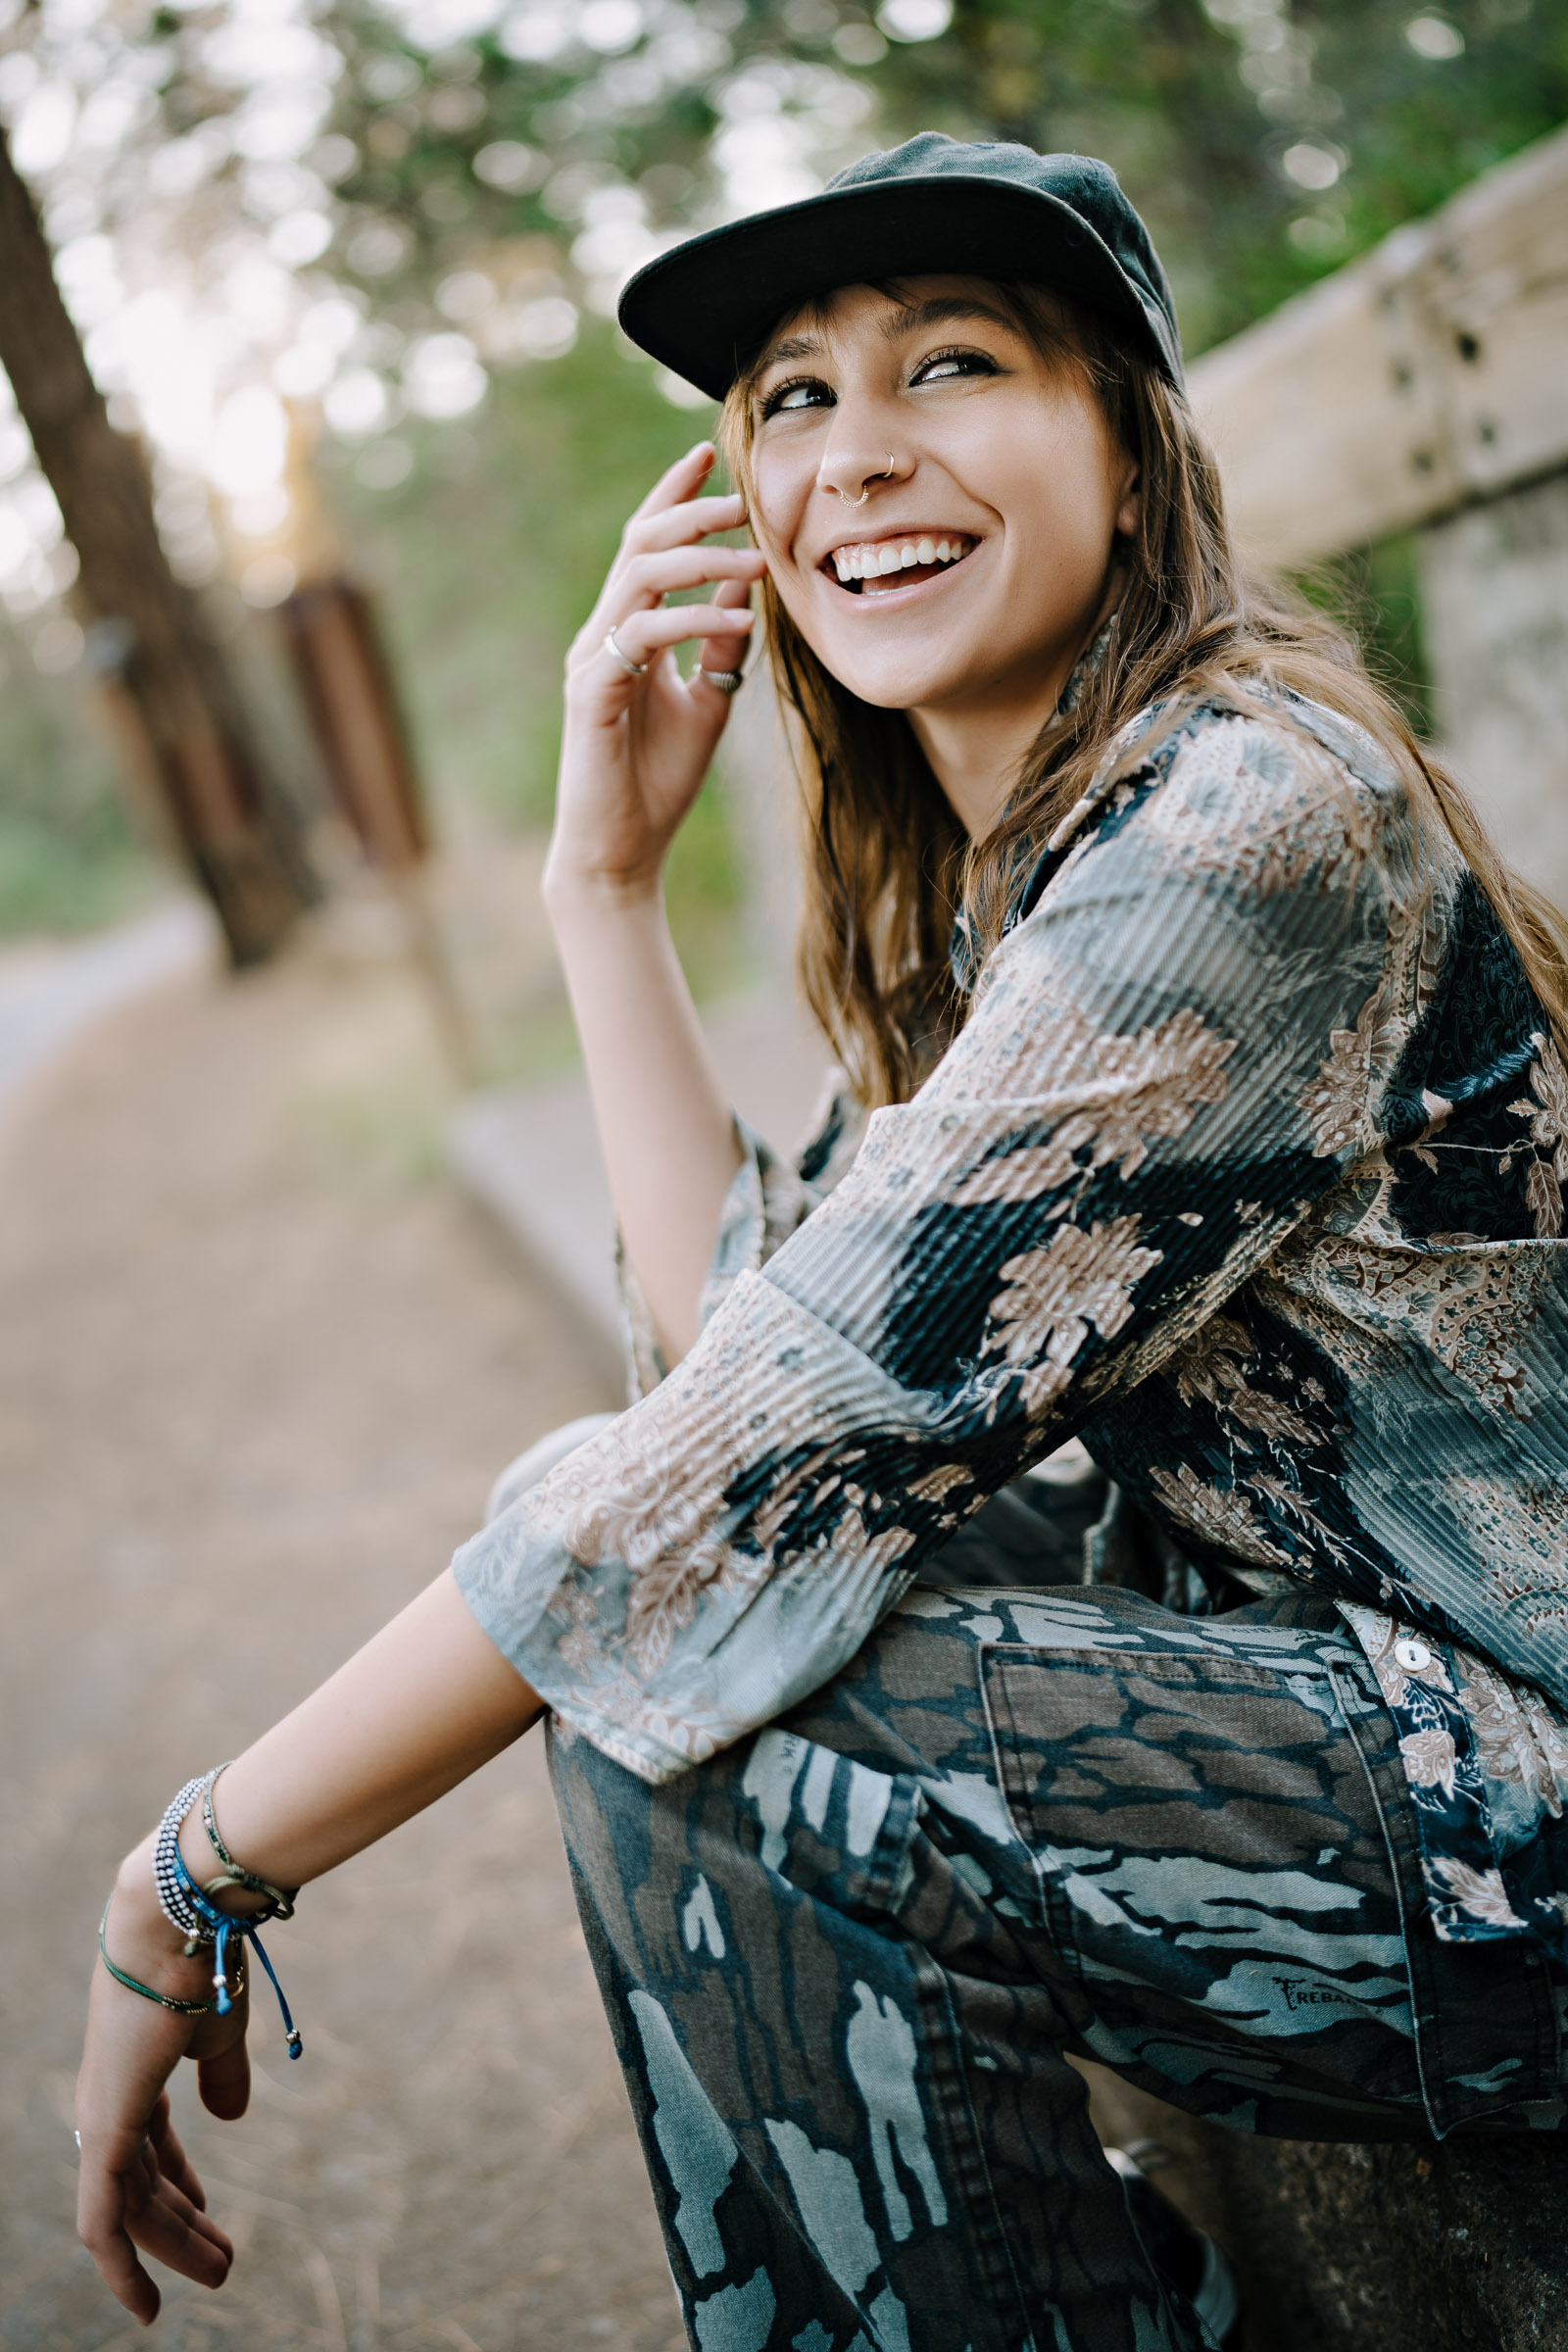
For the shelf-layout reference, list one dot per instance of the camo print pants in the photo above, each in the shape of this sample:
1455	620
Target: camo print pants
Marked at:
845	1962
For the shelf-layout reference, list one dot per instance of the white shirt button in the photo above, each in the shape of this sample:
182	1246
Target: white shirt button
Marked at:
1412	1655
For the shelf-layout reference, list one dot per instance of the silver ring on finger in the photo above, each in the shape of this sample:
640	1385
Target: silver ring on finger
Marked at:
633	669
729	681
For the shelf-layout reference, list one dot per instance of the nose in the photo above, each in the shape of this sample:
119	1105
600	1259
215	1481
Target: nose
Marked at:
850	471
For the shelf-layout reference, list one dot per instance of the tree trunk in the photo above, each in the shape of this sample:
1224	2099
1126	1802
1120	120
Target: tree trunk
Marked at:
239	828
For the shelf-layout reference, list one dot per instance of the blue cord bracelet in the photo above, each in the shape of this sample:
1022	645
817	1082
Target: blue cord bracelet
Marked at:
224	1925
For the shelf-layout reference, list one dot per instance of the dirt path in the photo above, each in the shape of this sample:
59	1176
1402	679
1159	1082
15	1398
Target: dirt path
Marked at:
256	1372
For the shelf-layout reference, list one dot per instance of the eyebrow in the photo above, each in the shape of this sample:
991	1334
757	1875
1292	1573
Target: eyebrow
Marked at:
902	319
793	347
940	309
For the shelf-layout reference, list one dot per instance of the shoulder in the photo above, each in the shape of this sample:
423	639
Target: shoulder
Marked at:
1258	795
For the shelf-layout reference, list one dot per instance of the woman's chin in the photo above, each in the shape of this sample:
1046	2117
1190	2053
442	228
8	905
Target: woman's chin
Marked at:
895	685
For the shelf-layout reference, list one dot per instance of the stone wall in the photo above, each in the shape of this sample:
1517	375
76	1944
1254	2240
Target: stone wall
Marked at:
1423	2247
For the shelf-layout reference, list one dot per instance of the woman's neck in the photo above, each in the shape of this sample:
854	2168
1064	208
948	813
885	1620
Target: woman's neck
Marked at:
977	747
976	755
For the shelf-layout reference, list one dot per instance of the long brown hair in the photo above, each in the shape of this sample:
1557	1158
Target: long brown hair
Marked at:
888	863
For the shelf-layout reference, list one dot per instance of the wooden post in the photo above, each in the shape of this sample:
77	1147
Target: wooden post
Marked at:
1428	375
1426	388
1494	613
239	828
346	682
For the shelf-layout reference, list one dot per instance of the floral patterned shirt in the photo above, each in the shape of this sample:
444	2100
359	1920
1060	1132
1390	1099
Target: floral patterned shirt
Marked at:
1246	1168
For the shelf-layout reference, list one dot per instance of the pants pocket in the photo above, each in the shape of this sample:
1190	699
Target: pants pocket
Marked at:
834	1828
1201	1824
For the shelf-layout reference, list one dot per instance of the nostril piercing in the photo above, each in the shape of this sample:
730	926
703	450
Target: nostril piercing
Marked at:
865	492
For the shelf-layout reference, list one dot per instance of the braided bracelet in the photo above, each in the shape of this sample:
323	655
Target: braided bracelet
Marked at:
191	1910
279	1899
134	1984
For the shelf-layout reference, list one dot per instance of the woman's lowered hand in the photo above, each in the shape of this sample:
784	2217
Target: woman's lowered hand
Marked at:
137	2193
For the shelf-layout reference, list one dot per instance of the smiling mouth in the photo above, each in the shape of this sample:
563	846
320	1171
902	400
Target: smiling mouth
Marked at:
870	568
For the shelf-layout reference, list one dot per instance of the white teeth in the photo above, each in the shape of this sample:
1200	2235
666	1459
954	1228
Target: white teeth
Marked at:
875	562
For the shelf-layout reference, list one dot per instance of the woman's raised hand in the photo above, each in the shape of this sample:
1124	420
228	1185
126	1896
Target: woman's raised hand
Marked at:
635	749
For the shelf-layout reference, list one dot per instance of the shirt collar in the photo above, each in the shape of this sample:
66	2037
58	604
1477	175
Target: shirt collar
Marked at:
1024	855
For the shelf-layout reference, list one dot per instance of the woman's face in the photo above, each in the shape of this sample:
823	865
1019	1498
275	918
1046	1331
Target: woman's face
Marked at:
980	561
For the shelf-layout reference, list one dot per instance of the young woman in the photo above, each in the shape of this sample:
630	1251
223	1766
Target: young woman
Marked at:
1217	1118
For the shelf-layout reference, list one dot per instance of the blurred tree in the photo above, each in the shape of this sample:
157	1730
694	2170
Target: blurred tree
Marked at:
240	835
274	216
359	206
1266	142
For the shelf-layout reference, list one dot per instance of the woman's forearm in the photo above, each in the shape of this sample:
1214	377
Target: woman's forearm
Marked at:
664	1124
425	1702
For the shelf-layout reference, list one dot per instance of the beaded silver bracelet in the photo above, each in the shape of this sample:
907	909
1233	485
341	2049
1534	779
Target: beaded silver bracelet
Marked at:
191	1911
169	1879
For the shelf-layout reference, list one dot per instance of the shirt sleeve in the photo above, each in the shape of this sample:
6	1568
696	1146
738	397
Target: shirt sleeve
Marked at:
1168	1061
768	1199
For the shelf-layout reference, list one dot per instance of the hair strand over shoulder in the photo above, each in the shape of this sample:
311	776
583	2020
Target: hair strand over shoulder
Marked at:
888	863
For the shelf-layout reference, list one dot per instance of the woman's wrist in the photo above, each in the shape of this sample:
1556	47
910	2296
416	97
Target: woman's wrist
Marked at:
575	890
207	1868
142	1942
140	1918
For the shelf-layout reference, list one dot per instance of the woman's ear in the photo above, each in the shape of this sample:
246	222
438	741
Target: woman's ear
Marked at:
1129	511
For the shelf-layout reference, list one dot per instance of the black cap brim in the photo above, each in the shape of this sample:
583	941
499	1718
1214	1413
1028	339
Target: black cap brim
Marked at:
705	308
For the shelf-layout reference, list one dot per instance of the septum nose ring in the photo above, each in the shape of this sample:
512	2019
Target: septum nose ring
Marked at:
867	490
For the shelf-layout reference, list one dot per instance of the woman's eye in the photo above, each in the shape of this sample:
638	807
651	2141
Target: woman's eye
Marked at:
944	367
805	392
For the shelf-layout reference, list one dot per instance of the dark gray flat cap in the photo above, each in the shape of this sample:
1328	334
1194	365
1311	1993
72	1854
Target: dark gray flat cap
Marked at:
932	206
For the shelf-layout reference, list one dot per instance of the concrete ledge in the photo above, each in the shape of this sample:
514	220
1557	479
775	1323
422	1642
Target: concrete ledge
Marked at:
1424	2246
529	1155
1458	2246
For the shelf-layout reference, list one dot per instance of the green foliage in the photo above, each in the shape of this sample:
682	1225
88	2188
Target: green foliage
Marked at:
703	891
69	860
1198	108
493	552
1266	141
1156	87
1375	593
1266	144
